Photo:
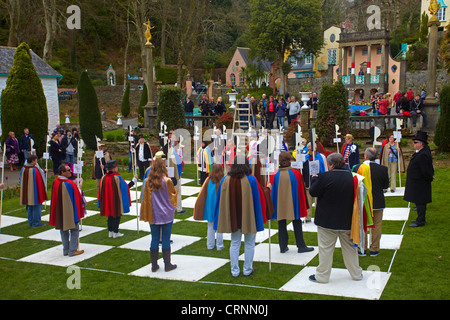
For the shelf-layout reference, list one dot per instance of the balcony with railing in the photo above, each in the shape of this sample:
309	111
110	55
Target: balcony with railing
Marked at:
374	78
346	79
359	79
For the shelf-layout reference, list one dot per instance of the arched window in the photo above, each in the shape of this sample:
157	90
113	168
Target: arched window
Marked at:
233	79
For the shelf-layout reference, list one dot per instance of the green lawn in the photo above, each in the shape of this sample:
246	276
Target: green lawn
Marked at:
419	269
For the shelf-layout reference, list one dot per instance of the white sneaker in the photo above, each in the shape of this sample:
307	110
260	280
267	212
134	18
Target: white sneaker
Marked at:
117	235
111	234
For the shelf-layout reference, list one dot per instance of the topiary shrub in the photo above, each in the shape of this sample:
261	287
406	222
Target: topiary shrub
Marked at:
23	102
332	109
89	113
170	108
442	133
143	102
125	107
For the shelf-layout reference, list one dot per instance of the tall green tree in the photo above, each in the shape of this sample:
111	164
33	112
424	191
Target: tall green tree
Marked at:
143	101
278	27
89	113
170	108
442	133
23	102
332	109
125	107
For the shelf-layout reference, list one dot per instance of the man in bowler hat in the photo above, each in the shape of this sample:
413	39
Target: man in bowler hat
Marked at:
419	175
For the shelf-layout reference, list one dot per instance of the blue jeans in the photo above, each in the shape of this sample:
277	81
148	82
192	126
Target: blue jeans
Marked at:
249	244
161	229
70	158
281	122
34	215
69	240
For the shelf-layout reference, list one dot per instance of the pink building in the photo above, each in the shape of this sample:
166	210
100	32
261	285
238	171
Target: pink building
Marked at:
367	65
240	59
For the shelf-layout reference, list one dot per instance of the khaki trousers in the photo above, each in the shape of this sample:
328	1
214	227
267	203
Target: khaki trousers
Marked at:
392	172
178	190
327	241
376	231
311	201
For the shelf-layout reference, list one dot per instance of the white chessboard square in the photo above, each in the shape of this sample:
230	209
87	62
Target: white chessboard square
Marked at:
189	268
189	191
340	284
189	202
7	221
54	256
399	192
5	238
289	257
55	235
396	214
178	242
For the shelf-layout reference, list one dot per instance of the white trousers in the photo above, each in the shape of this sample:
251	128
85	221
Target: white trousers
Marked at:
211	238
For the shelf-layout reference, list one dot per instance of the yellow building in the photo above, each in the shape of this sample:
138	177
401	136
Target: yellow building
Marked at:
329	53
443	14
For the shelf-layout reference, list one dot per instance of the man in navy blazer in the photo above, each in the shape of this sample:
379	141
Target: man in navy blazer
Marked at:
334	190
380	180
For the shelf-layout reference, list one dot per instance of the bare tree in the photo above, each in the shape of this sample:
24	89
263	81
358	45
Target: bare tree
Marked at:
50	19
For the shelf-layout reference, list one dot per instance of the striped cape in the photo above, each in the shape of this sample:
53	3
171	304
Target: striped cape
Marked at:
288	195
364	170
358	226
32	186
205	205
260	166
240	205
67	205
207	158
113	196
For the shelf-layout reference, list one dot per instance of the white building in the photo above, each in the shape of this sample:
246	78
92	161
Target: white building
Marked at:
49	79
443	14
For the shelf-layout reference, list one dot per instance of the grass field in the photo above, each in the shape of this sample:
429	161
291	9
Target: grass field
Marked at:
419	269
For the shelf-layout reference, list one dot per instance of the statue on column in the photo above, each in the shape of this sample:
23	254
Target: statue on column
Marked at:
148	34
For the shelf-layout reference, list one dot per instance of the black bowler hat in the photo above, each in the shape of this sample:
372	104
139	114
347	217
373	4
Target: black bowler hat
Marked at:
421	136
111	164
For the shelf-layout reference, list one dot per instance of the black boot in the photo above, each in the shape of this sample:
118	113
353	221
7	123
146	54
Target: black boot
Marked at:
154	253
166	257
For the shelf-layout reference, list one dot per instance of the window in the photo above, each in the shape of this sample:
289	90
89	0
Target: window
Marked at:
378	50
441	14
350	52
378	70
233	79
308	60
332	56
364	51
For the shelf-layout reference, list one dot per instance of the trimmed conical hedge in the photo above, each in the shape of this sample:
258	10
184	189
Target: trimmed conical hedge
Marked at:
170	108
125	107
332	109
442	133
143	102
89	114
23	102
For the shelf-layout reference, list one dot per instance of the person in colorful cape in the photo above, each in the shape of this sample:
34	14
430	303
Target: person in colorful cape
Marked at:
158	209
98	167
379	180
335	192
260	170
66	210
350	152
290	203
33	190
204	161
205	206
114	197
240	210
